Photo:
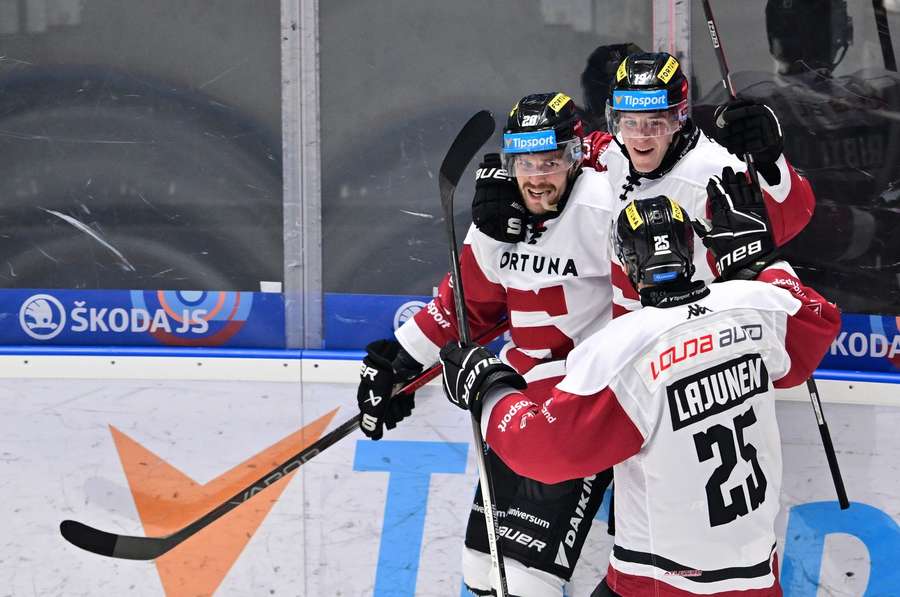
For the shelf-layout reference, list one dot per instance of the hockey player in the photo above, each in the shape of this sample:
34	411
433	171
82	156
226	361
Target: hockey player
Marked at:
533	257
843	133
677	396
655	149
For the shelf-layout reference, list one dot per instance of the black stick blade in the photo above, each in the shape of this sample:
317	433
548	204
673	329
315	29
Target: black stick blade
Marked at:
111	545
473	135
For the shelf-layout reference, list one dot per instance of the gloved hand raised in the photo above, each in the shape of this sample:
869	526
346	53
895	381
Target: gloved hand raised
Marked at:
746	126
386	364
470	371
738	233
497	209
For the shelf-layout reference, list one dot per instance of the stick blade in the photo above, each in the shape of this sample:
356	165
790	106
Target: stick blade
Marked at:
111	545
471	137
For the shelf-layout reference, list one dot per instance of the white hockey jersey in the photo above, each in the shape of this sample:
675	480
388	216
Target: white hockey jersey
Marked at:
680	401
789	204
554	288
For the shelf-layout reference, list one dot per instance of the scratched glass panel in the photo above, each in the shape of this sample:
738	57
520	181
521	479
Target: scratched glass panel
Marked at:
140	144
832	83
398	80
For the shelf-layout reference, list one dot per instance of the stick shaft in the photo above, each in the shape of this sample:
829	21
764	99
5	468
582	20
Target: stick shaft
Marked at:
754	178
826	443
726	77
449	177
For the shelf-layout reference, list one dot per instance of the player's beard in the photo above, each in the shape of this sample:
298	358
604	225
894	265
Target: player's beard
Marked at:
548	200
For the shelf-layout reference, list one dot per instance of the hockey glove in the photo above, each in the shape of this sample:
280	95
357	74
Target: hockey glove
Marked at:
498	210
386	364
470	371
738	234
745	126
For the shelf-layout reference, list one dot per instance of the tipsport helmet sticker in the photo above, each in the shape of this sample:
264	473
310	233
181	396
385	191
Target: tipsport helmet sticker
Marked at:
633	100
529	142
664	276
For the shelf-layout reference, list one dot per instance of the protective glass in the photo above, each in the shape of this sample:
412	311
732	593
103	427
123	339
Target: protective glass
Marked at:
544	163
642	125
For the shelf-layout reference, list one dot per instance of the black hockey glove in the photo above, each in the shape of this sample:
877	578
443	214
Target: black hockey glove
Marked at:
746	126
738	234
470	371
385	366
498	210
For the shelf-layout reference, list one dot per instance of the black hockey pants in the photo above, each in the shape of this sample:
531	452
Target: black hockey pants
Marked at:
542	526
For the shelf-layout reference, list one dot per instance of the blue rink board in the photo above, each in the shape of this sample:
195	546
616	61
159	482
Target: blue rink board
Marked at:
252	325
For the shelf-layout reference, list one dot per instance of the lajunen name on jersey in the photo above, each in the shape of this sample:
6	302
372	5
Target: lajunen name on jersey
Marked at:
716	389
539	264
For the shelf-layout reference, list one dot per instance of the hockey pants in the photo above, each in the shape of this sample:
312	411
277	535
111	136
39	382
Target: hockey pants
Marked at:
542	531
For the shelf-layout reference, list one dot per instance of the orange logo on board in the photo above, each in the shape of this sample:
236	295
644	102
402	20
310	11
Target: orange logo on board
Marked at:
167	500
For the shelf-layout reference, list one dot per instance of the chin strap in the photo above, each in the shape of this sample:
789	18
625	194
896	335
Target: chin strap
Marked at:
673	294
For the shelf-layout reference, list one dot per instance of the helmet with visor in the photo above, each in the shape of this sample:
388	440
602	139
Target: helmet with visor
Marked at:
649	97
543	136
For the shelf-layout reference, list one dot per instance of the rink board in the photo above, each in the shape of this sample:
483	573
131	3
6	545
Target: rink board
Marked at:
362	518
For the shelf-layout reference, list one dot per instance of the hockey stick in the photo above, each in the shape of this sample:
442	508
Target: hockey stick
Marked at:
473	135
884	35
826	443
148	548
751	170
726	78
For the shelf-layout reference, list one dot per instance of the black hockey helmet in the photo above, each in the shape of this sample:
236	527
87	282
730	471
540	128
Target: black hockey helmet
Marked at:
648	82
598	75
808	34
654	240
542	122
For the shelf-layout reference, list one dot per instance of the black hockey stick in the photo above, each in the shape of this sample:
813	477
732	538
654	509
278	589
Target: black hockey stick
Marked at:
826	442
130	547
751	170
726	78
473	135
884	35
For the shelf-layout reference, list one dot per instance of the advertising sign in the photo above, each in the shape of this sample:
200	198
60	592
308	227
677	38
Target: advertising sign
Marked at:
362	518
142	318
